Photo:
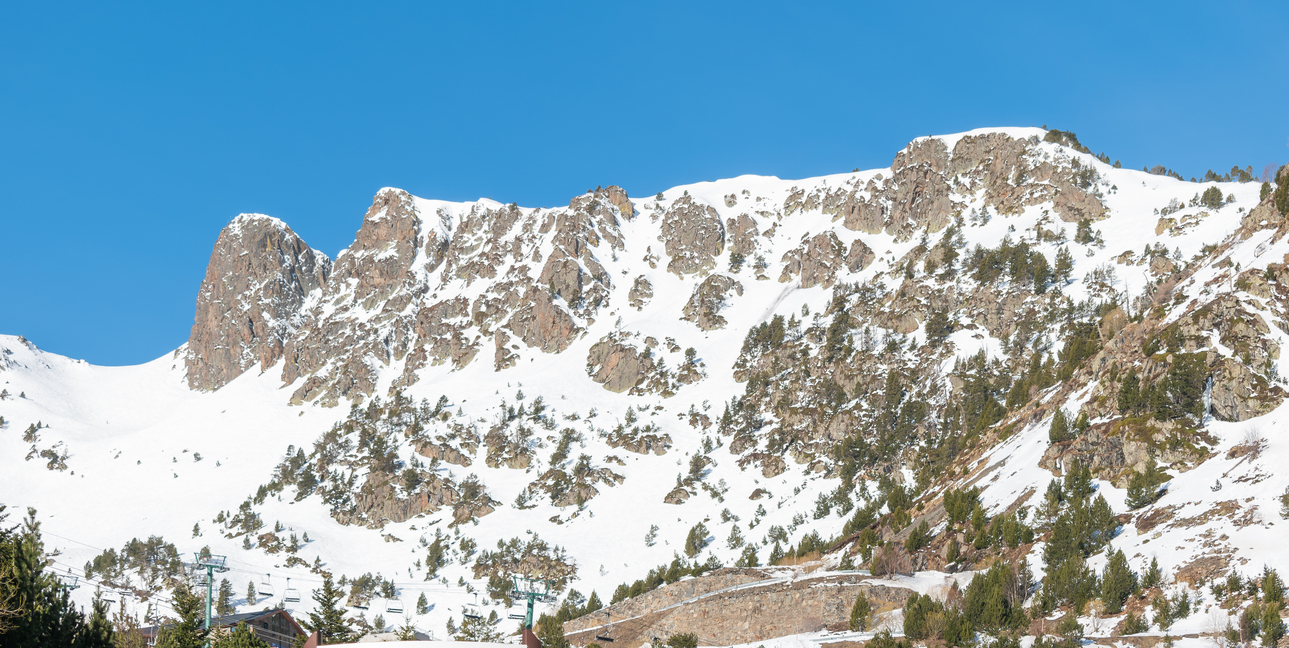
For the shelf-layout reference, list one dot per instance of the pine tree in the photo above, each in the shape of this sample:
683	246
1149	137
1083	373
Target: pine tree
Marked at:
1064	266
551	632
1132	624
250	592
422	605
953	551
696	540
1282	192
938	328
189	632
683	640
593	603
481	629
240	637
776	554
1273	589
919	537
1071	630
224	604
39	611
1117	582
1273	627
860	612
406	632
1153	576
1060	429
1143	488
328	617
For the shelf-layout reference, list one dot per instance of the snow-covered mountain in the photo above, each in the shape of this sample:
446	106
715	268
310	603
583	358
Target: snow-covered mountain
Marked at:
476	389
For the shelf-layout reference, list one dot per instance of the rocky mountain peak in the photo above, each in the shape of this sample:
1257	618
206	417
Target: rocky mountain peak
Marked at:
380	259
259	276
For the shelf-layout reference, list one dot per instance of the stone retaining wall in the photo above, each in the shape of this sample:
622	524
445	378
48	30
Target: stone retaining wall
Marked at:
668	595
749	614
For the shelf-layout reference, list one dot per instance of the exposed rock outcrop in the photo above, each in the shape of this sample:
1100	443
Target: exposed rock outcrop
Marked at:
542	324
816	260
259	277
704	306
694	236
616	365
742	235
377	502
641	293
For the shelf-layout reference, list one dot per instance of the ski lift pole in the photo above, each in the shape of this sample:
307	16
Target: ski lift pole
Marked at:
532	589
212	564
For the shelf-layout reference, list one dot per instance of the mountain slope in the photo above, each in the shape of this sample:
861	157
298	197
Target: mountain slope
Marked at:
752	353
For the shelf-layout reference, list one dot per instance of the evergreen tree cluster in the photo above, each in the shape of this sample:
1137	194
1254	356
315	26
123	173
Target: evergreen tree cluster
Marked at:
993	600
959	504
37	609
1212	198
1040	375
1178	393
1260	621
1236	174
1083	525
550	630
1015	262
663	575
926	618
764	337
155	561
483	629
1143	487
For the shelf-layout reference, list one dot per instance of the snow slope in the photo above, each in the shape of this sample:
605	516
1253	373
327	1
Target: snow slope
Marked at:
133	435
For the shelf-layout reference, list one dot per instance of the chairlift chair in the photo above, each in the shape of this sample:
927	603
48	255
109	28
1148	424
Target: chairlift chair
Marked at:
520	615
608	626
290	594
393	606
266	588
472	611
69	580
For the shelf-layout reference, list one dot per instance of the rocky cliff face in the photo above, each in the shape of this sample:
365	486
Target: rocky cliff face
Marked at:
792	350
429	284
250	303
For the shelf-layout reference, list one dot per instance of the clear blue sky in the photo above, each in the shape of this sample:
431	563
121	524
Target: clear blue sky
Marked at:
131	134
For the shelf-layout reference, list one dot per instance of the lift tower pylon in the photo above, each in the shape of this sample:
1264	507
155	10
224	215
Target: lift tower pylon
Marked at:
213	564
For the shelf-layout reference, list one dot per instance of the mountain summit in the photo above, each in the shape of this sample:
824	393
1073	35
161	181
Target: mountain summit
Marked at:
1002	358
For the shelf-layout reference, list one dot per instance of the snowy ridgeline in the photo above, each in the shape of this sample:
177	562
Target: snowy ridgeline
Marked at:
512	456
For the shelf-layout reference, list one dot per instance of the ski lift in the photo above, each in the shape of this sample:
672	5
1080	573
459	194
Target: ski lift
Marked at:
68	581
472	611
608	625
266	588
393	606
291	594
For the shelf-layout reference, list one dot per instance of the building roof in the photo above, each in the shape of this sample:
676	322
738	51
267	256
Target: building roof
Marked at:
234	619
